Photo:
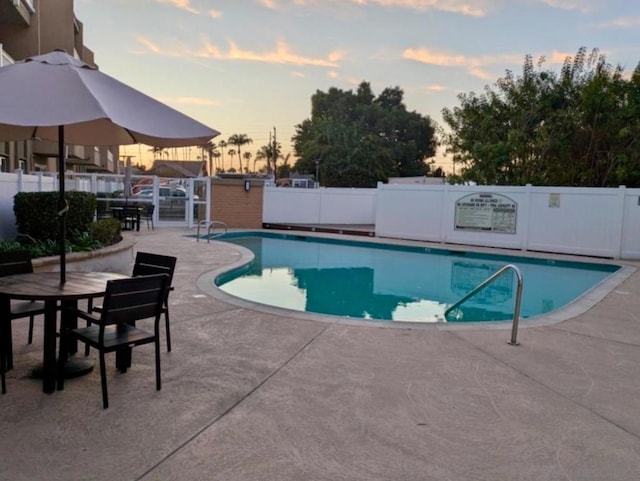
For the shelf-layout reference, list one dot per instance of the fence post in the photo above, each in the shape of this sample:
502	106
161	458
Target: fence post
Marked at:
622	191
443	213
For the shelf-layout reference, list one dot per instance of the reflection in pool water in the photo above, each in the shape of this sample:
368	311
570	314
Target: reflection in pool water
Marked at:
398	283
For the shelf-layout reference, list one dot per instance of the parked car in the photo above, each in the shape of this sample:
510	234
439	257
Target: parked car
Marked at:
164	191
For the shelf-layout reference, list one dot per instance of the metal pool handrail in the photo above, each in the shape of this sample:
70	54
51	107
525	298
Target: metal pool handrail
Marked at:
516	309
211	224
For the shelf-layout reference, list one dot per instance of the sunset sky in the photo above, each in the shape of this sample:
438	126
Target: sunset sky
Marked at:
247	66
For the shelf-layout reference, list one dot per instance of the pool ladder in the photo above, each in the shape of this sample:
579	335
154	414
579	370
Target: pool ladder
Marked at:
516	308
211	224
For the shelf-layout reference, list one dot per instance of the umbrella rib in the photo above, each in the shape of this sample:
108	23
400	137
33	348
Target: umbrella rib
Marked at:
133	137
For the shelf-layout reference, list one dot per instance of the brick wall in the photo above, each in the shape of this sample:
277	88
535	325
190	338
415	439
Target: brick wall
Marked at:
236	207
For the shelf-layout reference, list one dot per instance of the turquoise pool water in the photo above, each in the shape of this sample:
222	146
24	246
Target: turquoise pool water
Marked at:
364	280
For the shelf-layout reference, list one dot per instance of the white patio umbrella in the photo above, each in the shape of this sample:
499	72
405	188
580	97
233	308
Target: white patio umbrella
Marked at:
59	98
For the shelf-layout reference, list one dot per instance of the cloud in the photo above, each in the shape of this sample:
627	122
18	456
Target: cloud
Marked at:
215	14
181	4
568	5
353	81
281	54
480	67
473	65
436	88
270	4
480	73
465	7
559	57
621	22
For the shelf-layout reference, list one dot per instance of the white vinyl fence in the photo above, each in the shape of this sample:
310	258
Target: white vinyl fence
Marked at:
283	205
10	185
602	222
171	210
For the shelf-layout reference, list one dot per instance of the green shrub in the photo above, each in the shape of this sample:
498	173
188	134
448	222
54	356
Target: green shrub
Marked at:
36	248
106	231
38	224
37	213
10	246
82	242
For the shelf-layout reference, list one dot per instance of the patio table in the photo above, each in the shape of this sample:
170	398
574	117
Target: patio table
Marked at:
129	216
46	286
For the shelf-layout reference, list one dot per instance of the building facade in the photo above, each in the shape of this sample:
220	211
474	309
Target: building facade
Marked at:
35	27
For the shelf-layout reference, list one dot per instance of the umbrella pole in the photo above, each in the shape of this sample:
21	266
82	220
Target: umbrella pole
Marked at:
62	206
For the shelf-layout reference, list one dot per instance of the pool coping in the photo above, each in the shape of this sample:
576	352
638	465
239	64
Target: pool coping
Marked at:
578	306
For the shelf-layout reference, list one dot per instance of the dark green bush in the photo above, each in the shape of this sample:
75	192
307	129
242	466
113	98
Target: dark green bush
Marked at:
11	246
37	248
106	231
37	213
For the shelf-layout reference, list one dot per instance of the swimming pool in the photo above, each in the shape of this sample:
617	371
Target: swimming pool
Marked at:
388	282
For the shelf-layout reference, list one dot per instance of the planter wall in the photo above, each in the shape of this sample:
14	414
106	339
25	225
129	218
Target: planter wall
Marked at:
115	258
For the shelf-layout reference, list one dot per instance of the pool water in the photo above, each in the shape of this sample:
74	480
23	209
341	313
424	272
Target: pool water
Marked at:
372	281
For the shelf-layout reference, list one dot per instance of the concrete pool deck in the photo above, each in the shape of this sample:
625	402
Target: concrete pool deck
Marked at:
256	394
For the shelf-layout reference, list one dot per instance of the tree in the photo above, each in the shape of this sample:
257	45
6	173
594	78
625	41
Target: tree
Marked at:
357	140
247	157
232	153
578	128
270	153
222	145
216	156
239	140
285	169
157	151
207	153
262	154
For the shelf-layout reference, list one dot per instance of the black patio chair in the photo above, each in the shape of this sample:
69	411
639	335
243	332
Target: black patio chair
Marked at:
147	214
103	211
3	360
131	217
3	381
147	264
125	302
17	263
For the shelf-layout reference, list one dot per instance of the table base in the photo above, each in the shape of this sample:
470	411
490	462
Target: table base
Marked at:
74	367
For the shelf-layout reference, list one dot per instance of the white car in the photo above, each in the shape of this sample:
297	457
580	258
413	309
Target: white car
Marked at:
165	191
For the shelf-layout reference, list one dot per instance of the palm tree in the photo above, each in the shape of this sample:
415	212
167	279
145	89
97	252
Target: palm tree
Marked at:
247	156
231	153
285	168
216	164
222	144
239	140
270	153
207	152
263	154
157	151
216	156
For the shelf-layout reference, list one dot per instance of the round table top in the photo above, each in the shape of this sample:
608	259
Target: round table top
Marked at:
46	286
